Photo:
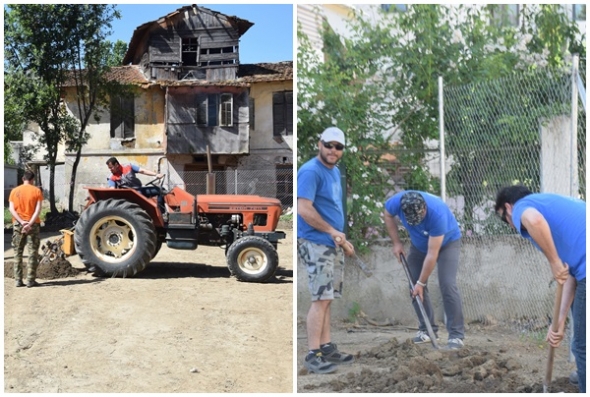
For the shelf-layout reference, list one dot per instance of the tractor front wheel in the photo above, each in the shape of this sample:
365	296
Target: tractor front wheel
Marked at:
252	259
116	237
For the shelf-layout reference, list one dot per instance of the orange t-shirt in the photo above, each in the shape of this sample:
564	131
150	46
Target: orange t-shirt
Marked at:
25	199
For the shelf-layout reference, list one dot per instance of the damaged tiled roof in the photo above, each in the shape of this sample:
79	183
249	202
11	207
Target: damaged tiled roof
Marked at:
247	74
258	72
127	75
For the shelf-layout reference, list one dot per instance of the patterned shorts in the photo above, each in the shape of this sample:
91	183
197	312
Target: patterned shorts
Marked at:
325	269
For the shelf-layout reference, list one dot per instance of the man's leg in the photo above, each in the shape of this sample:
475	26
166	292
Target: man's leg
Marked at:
579	342
318	324
33	249
19	241
448	265
415	262
319	266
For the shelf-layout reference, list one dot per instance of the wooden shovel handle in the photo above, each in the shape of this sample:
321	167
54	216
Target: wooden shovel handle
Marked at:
554	325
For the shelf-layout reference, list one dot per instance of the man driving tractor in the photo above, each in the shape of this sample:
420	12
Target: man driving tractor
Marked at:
123	176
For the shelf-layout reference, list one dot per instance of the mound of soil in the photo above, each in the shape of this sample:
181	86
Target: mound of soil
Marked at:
395	367
59	268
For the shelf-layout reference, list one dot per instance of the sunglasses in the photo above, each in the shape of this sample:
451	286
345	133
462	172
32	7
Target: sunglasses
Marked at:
337	146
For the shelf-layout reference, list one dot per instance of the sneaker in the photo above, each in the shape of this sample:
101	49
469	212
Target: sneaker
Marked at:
422	337
32	283
331	354
19	283
455	343
574	378
317	364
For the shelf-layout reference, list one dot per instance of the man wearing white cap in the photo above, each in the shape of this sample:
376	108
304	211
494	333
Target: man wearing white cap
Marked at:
320	224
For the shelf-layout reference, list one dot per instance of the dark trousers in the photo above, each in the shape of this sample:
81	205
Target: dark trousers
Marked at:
447	267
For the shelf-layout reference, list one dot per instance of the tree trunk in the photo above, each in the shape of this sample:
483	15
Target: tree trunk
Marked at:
52	206
73	179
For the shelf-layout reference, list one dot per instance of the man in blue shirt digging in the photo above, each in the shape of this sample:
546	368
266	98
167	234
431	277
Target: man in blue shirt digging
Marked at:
556	225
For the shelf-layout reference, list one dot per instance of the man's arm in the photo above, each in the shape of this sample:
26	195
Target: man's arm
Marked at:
434	244
150	173
391	225
36	213
15	214
567	297
537	226
310	215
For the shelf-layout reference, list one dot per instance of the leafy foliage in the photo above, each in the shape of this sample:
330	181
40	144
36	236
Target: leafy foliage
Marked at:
57	46
379	84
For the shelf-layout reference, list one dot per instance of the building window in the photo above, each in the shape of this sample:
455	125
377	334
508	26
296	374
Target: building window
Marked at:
122	117
579	12
394	7
251	113
190	51
218	56
503	15
215	110
226	110
282	113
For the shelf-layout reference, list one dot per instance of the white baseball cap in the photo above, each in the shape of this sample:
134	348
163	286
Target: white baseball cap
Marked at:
333	134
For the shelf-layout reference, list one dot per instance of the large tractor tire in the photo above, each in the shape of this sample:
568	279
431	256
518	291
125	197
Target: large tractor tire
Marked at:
115	238
252	259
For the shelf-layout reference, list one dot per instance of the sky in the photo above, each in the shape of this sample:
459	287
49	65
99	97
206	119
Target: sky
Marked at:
270	39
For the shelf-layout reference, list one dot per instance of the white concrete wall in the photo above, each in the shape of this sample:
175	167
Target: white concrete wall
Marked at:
504	278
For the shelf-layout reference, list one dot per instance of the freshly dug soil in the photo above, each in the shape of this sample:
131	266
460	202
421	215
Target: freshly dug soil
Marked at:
59	268
403	367
399	366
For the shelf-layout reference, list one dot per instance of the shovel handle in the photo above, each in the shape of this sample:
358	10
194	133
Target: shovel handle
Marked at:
554	322
429	329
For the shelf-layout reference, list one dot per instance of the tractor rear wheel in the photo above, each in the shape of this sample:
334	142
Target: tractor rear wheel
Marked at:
252	259
116	237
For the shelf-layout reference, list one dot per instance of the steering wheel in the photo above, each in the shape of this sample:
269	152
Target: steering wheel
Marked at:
153	182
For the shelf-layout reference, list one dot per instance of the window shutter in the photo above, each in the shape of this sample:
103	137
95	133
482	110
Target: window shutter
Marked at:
202	109
128	106
278	114
289	112
212	110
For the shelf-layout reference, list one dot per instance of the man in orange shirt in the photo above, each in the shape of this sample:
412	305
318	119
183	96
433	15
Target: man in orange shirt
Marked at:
25	207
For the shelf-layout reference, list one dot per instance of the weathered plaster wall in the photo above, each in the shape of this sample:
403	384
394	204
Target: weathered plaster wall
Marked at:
264	148
502	277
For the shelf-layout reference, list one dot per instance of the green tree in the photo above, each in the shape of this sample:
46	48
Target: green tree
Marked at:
400	58
60	46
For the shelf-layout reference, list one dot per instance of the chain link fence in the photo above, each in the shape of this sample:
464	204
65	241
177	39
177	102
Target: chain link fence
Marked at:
275	183
519	129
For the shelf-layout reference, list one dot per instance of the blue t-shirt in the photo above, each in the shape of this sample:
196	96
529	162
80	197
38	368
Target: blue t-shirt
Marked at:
321	185
439	220
566	217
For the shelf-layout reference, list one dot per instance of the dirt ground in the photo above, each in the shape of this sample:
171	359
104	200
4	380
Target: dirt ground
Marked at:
496	359
181	325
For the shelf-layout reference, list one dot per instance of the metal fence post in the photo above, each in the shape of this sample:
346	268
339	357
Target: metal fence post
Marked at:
574	130
441	126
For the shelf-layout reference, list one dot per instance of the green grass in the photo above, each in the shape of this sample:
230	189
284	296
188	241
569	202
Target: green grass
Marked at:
7	216
354	312
288	217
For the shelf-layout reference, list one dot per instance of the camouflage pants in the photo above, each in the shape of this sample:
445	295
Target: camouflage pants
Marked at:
325	269
19	241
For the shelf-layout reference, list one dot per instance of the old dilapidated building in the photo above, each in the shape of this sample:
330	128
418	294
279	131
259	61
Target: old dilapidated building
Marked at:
192	97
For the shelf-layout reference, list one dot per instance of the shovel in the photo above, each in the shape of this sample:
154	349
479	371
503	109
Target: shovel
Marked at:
554	320
420	304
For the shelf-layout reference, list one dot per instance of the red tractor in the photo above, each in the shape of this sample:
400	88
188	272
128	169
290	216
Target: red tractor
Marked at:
121	230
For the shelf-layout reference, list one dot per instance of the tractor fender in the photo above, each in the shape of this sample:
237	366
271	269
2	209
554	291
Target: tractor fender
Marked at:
149	205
